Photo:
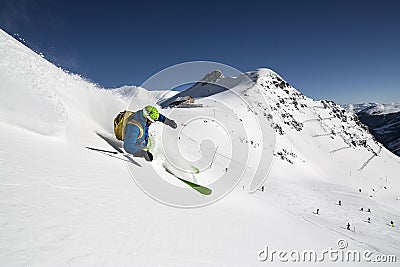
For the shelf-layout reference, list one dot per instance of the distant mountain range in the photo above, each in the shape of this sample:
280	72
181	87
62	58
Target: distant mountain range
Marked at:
383	121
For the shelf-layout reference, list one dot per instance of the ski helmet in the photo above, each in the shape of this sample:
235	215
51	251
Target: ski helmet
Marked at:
151	113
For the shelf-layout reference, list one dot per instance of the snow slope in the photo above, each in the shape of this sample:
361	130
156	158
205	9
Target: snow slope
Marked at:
63	205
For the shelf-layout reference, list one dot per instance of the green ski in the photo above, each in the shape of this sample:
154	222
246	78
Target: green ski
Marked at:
199	188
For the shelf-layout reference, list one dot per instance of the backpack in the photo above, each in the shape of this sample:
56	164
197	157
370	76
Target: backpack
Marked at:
120	123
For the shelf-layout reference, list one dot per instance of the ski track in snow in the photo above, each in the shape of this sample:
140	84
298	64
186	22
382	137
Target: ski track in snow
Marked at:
294	202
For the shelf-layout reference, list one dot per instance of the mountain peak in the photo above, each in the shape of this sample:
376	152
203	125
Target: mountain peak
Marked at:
213	77
262	73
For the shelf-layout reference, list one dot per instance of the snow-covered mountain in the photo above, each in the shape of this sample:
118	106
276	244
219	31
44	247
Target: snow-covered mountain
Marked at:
373	108
383	121
207	86
62	204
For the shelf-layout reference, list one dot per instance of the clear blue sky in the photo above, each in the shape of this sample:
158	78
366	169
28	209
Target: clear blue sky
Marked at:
347	51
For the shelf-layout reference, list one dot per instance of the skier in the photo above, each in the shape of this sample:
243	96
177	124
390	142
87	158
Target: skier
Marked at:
340	203
348	226
392	223
133	129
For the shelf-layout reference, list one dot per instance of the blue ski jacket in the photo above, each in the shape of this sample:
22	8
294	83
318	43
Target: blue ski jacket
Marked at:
137	132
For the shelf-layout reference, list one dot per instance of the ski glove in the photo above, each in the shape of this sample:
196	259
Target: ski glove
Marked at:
170	123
